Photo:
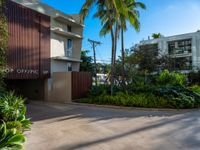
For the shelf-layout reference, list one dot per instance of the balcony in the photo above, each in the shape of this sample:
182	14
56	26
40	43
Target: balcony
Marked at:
64	58
180	53
66	33
67	20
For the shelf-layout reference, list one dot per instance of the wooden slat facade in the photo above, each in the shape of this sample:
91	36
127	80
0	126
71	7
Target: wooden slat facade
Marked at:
28	55
81	84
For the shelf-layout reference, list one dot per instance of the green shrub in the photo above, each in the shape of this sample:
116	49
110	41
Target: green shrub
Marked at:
178	96
135	100
162	97
10	138
12	108
195	88
173	78
14	124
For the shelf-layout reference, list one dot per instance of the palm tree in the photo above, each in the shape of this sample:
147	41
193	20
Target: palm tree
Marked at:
133	19
109	12
156	35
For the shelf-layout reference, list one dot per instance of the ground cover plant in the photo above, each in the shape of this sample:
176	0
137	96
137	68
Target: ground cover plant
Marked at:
165	90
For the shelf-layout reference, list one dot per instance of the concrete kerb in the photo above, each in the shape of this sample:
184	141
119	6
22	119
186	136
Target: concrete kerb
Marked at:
115	107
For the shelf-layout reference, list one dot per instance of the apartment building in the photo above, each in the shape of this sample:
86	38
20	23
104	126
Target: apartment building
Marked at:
42	41
179	47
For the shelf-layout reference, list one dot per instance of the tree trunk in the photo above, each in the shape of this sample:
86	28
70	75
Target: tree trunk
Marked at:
123	51
115	36
112	62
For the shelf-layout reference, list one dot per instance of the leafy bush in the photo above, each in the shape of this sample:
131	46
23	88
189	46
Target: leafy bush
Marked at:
12	108
178	96
10	138
102	89
158	97
135	100
173	78
14	124
195	88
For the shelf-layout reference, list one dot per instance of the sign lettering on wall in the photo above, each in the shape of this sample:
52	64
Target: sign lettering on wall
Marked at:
24	71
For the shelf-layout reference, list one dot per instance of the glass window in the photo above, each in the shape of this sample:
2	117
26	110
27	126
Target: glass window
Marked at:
69	47
69	44
180	47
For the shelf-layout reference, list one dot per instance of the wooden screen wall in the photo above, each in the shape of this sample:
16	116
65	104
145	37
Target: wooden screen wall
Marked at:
81	84
28	55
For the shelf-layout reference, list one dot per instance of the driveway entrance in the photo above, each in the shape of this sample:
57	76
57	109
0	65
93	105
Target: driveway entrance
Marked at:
74	127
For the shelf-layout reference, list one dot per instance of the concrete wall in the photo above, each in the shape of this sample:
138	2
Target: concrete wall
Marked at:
61	88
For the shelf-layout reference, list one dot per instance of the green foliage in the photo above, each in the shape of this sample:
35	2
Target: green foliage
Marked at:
167	90
174	78
135	100
12	108
179	97
3	42
195	88
156	35
14	124
12	112
163	98
86	64
10	139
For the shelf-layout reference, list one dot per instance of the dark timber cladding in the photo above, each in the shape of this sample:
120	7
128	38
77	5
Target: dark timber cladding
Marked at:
81	84
28	54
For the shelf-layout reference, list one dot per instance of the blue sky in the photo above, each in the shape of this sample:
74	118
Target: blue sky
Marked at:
169	17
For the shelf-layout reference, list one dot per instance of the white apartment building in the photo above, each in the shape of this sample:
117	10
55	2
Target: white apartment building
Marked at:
184	46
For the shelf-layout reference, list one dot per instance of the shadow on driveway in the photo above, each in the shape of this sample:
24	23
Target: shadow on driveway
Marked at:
119	128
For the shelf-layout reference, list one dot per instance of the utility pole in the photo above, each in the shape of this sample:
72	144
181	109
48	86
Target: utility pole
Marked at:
94	44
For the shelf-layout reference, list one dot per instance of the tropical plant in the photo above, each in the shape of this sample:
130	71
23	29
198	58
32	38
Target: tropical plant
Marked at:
195	88
172	78
10	139
3	41
156	35
12	108
133	19
109	13
134	100
86	64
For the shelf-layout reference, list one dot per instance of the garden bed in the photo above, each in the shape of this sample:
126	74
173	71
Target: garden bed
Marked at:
13	121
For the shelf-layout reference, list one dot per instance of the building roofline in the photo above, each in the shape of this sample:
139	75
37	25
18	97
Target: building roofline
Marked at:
29	3
168	37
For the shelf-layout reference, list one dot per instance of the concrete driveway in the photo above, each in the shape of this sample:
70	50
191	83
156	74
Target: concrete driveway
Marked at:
76	127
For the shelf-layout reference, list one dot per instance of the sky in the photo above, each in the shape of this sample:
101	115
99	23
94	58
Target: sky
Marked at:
168	17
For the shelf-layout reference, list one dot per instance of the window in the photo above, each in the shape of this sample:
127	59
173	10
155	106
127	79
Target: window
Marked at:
69	44
69	28
182	63
69	66
69	47
180	47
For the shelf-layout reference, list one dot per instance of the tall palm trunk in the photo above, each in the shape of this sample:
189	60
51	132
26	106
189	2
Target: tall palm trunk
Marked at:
114	55
123	51
114	46
112	62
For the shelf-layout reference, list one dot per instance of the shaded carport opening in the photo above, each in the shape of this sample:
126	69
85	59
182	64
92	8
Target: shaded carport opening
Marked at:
30	89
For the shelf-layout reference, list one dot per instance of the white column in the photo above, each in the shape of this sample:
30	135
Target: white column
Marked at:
194	52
